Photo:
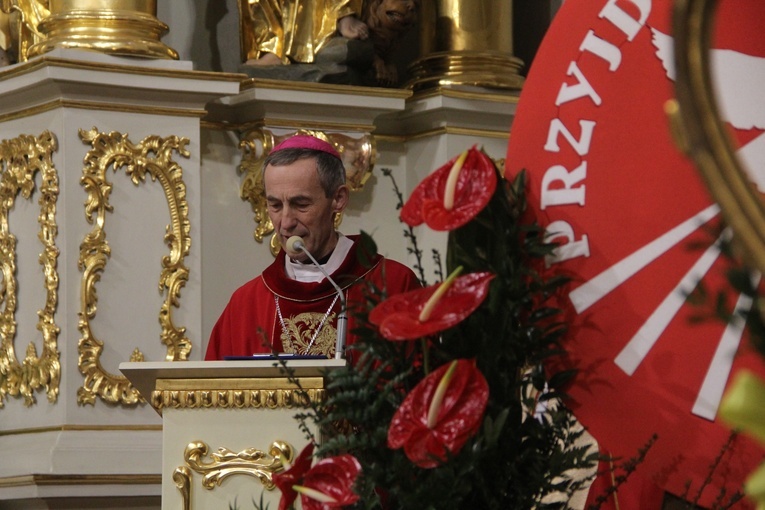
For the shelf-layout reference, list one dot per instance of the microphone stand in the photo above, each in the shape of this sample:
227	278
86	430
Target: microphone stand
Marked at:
295	243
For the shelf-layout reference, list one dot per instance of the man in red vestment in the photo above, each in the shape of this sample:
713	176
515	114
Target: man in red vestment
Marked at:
291	307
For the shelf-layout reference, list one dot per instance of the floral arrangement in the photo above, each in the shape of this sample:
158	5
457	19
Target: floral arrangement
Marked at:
447	403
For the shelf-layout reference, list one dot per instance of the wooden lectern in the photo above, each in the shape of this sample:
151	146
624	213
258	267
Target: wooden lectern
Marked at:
225	425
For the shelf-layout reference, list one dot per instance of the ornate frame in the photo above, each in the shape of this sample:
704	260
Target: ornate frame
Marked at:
225	462
153	156
21	158
251	461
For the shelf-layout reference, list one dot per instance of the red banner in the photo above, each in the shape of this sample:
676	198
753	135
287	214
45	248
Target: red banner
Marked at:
635	227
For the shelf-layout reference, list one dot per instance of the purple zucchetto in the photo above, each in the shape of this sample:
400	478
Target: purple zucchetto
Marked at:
306	142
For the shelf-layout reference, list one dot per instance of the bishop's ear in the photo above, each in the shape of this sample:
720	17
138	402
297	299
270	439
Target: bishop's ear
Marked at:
340	200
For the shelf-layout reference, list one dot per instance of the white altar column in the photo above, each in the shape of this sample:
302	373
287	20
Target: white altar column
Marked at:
100	176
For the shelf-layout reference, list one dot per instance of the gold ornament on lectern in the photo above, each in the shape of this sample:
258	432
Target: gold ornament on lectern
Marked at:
182	479
466	42
117	27
225	463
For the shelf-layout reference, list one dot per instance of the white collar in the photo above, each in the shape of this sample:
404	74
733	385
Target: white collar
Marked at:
308	273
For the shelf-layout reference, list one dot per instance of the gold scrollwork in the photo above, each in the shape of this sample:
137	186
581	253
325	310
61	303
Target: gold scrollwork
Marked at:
358	155
21	158
182	479
225	463
153	156
235	399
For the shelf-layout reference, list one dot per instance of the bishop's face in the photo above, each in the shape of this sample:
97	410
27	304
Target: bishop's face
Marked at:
298	206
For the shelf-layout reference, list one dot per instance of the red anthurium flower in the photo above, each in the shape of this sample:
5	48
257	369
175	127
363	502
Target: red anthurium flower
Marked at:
293	476
453	194
401	316
440	414
328	484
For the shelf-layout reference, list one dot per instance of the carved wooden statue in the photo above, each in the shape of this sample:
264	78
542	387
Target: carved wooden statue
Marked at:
388	20
283	32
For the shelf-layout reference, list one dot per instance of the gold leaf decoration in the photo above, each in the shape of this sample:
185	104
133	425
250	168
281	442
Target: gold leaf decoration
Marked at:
182	479
225	463
236	399
21	158
152	157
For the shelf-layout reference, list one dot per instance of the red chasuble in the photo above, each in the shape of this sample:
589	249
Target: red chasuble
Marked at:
275	313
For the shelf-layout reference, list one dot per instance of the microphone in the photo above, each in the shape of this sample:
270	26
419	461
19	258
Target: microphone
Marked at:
295	245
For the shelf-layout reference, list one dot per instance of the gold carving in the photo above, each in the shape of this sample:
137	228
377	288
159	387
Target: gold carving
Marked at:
153	156
24	16
225	463
182	479
246	383
268	393
358	156
235	398
118	27
290	31
21	158
704	136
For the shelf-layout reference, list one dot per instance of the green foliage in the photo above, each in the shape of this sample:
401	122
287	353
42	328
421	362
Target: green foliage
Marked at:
256	505
521	455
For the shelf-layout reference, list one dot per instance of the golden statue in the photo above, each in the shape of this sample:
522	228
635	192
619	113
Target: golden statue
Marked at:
285	31
6	40
19	20
277	32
